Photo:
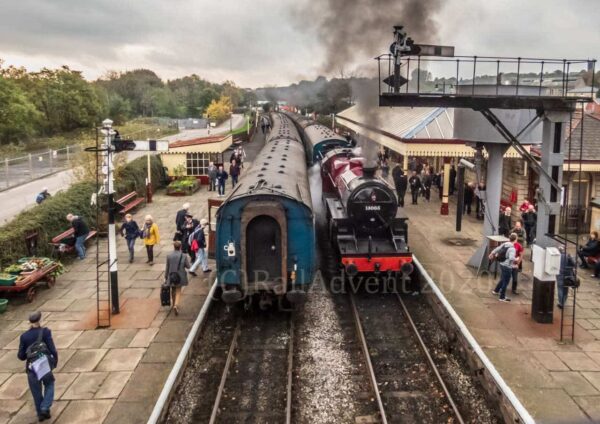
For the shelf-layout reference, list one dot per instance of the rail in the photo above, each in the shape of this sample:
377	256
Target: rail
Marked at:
171	382
519	410
370	369
432	364
228	362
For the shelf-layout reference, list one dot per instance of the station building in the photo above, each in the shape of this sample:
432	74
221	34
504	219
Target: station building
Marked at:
194	155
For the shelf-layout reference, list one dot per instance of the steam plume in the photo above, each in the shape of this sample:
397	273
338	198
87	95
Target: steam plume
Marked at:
351	28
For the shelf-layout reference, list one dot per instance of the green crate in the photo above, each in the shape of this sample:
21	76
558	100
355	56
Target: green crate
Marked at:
7	279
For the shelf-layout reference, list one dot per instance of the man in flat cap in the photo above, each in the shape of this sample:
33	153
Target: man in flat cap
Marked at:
36	347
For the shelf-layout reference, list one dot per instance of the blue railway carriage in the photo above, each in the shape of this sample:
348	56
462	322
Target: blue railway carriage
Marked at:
318	138
265	237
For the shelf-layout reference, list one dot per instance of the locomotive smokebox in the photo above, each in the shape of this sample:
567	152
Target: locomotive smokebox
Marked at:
369	170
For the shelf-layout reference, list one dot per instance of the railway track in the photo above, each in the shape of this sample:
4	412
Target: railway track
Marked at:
256	382
406	382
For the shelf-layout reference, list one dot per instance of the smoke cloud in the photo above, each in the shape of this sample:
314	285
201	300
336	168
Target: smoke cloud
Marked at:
352	28
355	30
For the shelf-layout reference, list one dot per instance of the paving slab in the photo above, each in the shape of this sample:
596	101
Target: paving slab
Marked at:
145	383
92	339
120	338
173	331
85	411
128	412
574	383
15	387
85	386
550	361
63	382
112	387
162	353
590	406
578	361
84	360
27	414
143	337
64	338
121	359
9	408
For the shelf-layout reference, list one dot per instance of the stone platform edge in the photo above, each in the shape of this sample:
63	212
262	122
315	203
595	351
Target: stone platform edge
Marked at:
162	403
496	388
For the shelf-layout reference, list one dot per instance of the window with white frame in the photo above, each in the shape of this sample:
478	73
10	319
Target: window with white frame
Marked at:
197	163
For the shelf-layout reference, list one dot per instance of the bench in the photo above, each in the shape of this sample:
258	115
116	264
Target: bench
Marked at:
129	202
58	240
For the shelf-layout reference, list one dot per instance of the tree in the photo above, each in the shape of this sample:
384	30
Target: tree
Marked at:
18	115
219	110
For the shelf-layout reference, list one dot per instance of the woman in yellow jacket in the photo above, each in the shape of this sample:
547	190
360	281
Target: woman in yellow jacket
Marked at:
151	237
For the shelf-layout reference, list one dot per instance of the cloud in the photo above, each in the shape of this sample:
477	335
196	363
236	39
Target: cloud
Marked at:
261	42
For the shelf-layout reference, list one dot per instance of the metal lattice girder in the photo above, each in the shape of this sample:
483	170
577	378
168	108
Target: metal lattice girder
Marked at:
514	142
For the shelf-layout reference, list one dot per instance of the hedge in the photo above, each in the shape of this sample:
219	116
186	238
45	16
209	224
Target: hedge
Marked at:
49	218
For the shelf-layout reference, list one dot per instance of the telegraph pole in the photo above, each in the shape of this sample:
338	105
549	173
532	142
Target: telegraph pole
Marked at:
112	239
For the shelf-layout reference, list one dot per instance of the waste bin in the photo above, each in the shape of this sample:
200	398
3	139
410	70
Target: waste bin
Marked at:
542	302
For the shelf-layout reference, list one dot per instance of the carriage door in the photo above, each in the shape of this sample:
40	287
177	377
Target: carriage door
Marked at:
263	249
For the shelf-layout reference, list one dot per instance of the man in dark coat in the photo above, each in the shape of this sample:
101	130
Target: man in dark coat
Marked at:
505	223
469	195
234	171
530	222
186	229
41	390
452	180
401	183
415	187
427	182
80	232
180	219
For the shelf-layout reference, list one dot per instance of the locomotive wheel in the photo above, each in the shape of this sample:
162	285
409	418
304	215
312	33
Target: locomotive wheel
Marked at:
31	294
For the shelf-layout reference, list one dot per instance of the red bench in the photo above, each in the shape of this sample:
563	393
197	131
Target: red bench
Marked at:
129	202
57	241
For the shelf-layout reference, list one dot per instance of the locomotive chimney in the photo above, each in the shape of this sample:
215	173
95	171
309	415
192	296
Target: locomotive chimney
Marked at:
369	170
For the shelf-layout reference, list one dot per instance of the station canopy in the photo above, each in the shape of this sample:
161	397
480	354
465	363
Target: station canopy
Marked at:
411	131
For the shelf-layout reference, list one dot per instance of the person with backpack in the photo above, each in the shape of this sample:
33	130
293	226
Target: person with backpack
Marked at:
175	275
43	195
37	349
131	231
505	254
198	245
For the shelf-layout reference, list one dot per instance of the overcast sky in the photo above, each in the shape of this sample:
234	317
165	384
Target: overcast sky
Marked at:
264	42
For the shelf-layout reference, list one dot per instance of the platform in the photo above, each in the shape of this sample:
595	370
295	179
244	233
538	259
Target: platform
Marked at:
109	375
555	382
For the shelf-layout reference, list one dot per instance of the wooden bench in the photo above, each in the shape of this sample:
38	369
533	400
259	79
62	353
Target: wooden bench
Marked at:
129	202
57	241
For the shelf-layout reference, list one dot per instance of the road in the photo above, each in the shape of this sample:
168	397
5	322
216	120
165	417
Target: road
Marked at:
18	199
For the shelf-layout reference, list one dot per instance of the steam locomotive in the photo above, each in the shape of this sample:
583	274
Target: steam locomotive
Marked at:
368	230
366	226
265	240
